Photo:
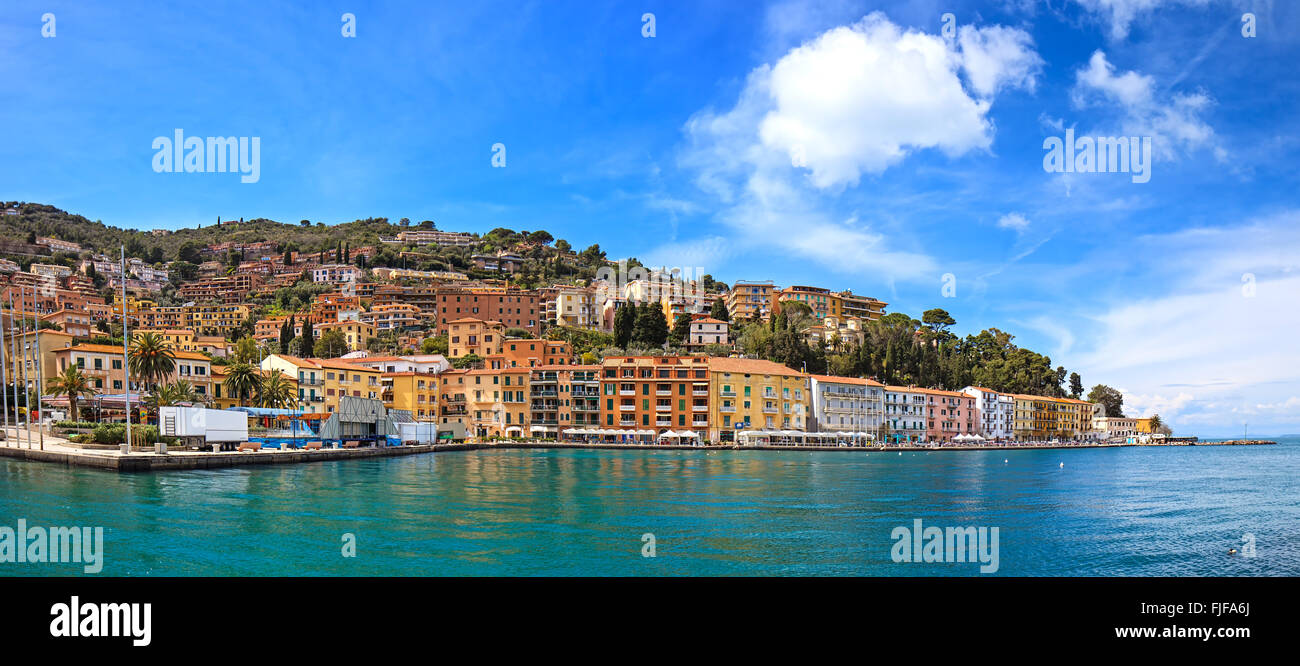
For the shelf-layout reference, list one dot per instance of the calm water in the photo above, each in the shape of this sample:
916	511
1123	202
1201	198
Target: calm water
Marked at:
1133	511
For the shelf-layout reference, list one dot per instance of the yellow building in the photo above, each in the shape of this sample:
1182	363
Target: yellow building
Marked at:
342	378
50	341
497	402
356	332
753	394
1040	418
416	392
221	399
214	319
309	376
180	339
474	336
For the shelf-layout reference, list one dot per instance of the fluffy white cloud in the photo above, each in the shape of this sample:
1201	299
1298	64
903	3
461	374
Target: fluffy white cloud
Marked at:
857	99
853	101
1173	122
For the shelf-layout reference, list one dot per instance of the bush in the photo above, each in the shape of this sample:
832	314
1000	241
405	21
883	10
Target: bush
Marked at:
75	424
115	433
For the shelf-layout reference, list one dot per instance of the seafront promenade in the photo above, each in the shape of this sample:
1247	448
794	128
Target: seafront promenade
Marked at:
61	451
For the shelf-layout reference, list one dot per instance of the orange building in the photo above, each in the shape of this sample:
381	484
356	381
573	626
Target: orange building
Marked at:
655	393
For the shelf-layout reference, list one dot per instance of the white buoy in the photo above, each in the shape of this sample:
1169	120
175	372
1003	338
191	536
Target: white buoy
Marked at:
1004	460
1062	465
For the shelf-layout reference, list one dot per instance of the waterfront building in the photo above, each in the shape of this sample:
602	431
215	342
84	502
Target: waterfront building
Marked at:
30	354
1115	427
563	396
949	414
906	414
750	300
309	376
416	392
752	394
655	393
848	405
996	410
497	402
452	402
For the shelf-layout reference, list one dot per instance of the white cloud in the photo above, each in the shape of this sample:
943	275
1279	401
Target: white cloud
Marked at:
1173	122
1222	348
1145	406
853	101
1122	13
1014	221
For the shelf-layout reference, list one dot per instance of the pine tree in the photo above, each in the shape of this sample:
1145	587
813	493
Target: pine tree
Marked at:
308	339
624	325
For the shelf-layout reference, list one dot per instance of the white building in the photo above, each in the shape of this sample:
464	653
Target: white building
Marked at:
1113	427
905	414
847	404
997	412
336	273
576	306
708	331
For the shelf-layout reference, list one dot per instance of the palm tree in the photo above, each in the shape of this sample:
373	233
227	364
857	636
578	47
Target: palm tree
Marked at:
176	392
274	391
151	358
241	381
72	384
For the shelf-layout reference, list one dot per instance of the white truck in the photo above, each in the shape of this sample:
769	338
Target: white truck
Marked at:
198	426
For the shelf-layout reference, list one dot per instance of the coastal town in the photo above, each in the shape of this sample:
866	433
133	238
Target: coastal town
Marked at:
473	358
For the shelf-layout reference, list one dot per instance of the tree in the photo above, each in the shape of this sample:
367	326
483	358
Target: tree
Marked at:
516	333
275	392
1076	385
286	334
720	311
542	237
681	332
1109	398
241	381
435	345
1158	425
467	361
151	358
72	384
332	344
247	351
308	344
938	320
190	251
651	326
563	245
624	325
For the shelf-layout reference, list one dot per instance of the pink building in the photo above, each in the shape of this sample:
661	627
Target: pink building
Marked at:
948	414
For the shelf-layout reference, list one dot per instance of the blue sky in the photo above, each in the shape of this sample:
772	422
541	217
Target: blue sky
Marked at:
840	144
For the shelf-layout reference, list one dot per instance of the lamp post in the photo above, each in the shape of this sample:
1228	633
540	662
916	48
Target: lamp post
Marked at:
126	360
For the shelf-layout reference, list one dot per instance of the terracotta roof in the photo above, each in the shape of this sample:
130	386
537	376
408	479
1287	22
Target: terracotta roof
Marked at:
753	366
846	380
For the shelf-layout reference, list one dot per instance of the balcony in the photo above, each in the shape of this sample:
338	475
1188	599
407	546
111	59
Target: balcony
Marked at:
664	392
627	408
770	410
699	408
727	409
700	391
627	391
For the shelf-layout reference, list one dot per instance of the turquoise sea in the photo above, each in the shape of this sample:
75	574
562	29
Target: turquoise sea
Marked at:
1107	512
